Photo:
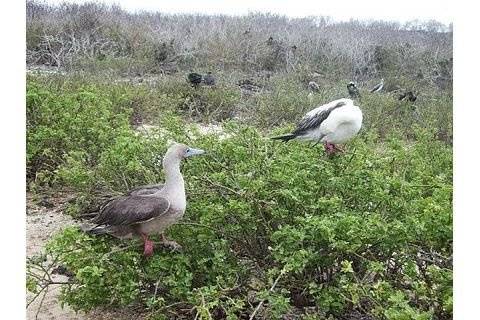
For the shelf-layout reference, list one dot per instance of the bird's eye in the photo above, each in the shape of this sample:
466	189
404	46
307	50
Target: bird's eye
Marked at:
188	150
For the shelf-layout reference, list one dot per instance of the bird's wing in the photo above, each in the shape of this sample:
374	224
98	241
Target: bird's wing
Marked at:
146	189
312	121
138	191
194	77
127	210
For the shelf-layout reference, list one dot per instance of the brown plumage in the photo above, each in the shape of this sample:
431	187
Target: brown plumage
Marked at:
131	209
148	209
147	189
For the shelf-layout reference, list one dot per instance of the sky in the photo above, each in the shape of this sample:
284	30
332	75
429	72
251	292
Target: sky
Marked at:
338	10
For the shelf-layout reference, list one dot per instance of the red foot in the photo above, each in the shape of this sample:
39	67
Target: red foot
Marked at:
331	149
148	246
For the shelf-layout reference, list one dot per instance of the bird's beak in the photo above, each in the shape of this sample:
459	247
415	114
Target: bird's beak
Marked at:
194	152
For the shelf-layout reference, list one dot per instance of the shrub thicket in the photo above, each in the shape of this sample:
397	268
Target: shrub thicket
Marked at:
368	232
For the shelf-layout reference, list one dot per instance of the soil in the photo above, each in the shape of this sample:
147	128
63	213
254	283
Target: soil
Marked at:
45	218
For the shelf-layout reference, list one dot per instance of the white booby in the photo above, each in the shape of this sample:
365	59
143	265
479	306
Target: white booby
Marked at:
332	123
378	87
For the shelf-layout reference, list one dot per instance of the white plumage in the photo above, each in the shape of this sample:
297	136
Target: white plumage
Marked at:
335	122
378	87
341	124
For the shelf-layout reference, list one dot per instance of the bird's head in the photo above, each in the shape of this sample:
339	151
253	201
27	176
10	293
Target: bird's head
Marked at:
177	152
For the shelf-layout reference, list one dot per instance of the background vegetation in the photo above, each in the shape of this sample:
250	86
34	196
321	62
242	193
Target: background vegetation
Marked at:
93	36
272	230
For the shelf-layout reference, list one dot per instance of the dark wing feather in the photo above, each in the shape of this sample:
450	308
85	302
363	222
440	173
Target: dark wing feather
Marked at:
308	123
353	91
128	210
194	78
104	200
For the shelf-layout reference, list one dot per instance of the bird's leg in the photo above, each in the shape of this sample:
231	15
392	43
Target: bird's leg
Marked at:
148	246
329	148
170	243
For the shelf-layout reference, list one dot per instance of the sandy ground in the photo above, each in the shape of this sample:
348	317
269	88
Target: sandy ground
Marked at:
44	220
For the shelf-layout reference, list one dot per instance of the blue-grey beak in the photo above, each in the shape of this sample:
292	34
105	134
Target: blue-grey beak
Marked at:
193	152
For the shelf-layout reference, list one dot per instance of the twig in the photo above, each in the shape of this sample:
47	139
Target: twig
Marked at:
199	225
217	231
119	249
156	290
260	304
41	303
45	287
36	296
125	181
223	187
351	158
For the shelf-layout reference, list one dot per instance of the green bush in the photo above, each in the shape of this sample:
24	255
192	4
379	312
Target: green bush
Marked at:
368	231
71	124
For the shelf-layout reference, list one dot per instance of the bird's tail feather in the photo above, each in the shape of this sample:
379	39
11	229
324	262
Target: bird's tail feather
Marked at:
285	137
96	230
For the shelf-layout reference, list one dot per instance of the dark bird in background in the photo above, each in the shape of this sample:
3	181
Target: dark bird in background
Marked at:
209	79
409	96
245	82
353	90
378	87
313	86
332	123
195	79
249	85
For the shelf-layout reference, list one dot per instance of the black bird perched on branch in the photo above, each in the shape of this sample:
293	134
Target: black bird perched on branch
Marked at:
409	95
195	79
353	90
209	79
378	87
